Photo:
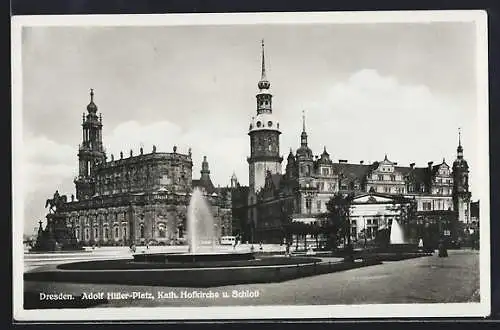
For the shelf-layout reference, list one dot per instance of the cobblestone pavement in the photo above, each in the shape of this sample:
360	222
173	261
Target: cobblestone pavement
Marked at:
421	280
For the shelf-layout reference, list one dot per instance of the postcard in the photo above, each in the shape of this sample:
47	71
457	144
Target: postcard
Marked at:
250	166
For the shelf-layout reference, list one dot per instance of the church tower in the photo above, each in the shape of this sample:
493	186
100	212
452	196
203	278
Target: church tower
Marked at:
91	152
264	135
461	194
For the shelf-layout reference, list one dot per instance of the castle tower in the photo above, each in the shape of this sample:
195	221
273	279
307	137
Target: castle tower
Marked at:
305	165
461	194
91	152
205	172
304	154
264	136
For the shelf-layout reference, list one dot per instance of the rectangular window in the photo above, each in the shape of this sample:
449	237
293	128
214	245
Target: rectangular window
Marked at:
380	177
393	178
318	204
369	222
308	205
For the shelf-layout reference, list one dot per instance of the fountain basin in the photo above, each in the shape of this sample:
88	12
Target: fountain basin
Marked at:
193	257
198	274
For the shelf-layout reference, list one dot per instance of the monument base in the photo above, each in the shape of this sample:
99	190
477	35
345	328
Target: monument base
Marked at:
56	236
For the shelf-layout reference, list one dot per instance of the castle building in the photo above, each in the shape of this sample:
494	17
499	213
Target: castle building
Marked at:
383	190
136	199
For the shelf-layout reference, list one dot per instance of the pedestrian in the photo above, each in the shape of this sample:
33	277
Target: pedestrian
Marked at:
442	251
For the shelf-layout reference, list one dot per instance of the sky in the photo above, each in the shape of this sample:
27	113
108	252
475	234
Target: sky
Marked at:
367	90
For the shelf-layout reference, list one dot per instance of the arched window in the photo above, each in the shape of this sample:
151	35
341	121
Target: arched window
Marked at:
116	232
162	231
106	233
124	232
87	234
96	235
142	230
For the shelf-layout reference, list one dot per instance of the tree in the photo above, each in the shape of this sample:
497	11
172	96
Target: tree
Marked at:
338	222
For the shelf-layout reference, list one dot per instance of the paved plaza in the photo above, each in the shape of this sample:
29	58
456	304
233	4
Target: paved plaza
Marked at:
421	280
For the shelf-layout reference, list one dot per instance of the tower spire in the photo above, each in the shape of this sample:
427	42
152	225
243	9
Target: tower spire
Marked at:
91	95
263	83
263	74
303	136
460	149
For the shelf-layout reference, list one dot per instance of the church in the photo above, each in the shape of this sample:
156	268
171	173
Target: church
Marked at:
383	190
136	199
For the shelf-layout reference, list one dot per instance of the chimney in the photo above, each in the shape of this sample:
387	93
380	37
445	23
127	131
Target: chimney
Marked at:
429	164
361	162
343	161
412	165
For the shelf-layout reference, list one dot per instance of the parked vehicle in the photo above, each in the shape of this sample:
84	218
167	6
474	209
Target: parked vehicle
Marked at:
228	240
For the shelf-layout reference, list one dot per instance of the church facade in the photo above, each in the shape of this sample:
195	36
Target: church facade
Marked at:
136	198
383	190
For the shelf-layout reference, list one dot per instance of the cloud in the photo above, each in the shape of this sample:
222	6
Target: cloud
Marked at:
225	153
368	115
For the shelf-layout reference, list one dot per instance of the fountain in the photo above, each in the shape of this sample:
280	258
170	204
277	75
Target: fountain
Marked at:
397	235
200	224
397	239
202	239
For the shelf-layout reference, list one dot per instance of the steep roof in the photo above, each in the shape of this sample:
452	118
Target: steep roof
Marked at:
352	171
206	184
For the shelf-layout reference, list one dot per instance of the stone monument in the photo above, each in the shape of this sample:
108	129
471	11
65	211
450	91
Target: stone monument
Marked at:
56	236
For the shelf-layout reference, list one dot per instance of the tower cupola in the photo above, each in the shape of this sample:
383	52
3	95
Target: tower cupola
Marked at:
92	107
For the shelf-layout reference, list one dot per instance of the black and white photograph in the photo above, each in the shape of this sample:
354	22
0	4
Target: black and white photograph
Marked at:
250	166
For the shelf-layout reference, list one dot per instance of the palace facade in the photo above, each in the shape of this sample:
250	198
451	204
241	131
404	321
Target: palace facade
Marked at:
136	199
383	190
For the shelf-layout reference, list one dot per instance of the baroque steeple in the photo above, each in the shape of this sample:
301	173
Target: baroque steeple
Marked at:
460	149
263	83
91	151
303	136
304	152
92	107
264	97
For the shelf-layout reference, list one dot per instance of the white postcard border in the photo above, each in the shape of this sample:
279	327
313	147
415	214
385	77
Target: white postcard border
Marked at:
480	309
